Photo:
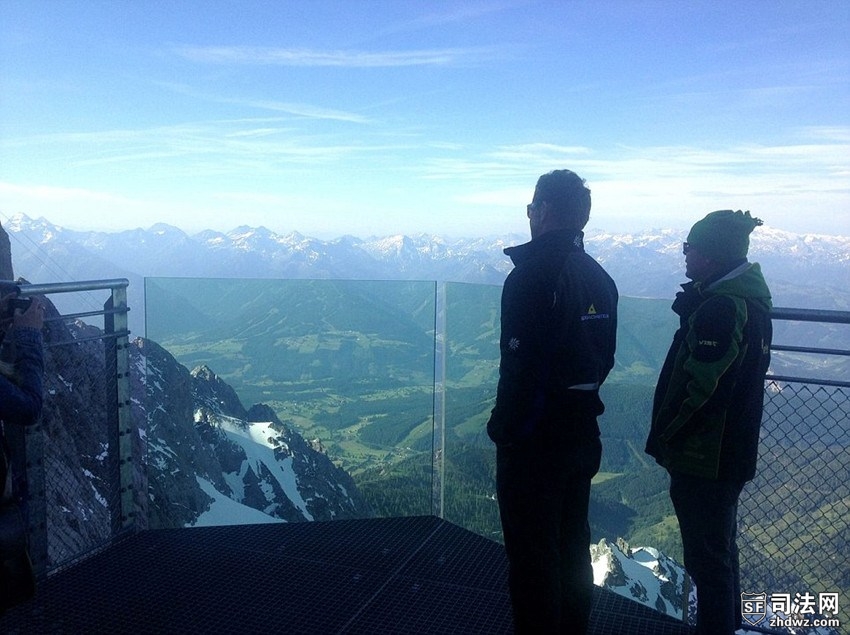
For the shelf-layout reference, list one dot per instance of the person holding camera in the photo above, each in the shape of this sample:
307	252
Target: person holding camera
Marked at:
21	399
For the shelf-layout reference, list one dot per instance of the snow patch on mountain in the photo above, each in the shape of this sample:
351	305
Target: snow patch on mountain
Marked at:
641	574
225	511
645	575
260	443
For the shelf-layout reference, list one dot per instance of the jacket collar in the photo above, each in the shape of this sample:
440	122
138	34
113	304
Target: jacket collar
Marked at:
734	273
554	240
744	279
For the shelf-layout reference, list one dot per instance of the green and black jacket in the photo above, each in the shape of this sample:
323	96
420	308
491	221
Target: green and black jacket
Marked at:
709	398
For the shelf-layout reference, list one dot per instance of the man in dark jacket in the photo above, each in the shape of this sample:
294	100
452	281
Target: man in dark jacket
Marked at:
558	321
708	406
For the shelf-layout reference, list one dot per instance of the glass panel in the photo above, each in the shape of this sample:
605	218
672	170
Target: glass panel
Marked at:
472	371
362	371
349	365
629	497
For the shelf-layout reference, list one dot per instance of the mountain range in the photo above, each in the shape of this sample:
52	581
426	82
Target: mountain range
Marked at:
803	270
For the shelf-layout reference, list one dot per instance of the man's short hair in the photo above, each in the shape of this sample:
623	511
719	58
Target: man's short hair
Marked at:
567	195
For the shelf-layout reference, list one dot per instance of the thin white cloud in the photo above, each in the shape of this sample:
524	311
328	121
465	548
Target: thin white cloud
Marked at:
550	150
300	110
650	162
826	133
460	13
650	184
201	147
494	198
256	133
53	194
308	111
271	56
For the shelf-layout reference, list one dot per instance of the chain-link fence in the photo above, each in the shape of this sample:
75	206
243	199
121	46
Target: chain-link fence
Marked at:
77	493
795	516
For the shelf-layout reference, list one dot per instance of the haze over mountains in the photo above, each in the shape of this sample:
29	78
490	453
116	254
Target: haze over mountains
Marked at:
804	271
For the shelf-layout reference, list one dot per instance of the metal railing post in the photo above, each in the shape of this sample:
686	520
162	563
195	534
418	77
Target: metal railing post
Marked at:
119	416
29	443
438	464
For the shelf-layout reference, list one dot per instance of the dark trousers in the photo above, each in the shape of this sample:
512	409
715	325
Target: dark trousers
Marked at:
543	488
708	519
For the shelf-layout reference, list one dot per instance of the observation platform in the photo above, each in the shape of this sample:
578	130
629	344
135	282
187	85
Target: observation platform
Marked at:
392	575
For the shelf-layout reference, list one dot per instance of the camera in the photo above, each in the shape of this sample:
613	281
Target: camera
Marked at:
16	303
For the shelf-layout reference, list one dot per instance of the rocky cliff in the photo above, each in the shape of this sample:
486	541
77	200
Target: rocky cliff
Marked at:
201	457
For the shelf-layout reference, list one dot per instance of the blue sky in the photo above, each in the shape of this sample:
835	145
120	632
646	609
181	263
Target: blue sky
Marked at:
383	117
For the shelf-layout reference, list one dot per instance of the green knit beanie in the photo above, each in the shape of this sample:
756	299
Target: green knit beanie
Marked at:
723	235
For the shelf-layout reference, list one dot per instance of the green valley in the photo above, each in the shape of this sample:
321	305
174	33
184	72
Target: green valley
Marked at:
366	369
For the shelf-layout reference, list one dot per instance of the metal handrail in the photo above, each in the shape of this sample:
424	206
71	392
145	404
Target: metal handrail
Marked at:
822	316
810	315
72	287
809	349
808	380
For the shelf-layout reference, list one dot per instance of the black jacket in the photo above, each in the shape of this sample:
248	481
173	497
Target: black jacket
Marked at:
21	399
559	323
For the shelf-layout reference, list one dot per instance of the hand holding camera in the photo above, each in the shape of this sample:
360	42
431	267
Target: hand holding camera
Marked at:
24	312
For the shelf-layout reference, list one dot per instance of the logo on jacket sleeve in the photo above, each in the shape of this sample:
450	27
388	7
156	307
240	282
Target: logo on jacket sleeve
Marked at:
593	314
513	344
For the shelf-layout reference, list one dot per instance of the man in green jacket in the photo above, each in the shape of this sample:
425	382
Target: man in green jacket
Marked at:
708	406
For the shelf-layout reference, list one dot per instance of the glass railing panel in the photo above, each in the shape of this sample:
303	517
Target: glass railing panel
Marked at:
346	365
472	360
629	500
363	370
471	375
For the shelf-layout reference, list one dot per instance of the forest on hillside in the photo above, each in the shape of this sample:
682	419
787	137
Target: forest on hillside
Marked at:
397	383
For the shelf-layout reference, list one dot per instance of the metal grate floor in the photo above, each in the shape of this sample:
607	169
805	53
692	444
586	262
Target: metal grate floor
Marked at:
392	575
